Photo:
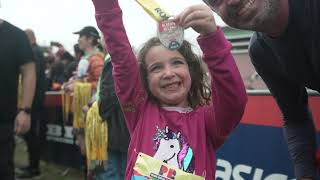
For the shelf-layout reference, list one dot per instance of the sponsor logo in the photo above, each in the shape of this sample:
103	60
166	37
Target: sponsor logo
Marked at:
244	172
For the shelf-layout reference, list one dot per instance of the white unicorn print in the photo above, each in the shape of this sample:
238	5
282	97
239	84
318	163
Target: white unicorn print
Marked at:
172	148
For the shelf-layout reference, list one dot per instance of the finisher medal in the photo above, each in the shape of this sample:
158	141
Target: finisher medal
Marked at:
170	34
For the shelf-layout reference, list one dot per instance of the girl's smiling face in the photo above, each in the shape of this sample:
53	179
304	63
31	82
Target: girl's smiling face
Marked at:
168	76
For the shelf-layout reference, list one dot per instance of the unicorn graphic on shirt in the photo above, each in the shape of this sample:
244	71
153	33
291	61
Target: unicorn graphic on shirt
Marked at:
173	149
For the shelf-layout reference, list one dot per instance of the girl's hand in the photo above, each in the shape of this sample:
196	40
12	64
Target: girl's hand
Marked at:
199	17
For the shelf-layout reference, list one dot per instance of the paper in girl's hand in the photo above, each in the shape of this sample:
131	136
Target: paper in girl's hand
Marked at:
147	167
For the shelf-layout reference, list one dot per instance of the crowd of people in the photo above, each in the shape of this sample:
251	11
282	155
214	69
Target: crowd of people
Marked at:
159	105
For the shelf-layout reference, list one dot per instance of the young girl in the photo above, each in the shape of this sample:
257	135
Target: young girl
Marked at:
171	113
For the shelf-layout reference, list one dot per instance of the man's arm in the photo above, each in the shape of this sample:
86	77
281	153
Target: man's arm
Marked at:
23	119
292	99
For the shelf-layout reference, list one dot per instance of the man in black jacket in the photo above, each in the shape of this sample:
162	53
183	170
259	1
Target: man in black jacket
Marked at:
285	51
15	57
36	136
118	135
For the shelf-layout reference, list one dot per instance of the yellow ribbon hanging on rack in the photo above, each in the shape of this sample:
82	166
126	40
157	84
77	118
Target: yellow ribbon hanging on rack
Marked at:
96	138
81	97
65	103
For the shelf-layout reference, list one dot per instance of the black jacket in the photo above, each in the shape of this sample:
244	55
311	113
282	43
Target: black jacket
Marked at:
288	64
41	77
110	110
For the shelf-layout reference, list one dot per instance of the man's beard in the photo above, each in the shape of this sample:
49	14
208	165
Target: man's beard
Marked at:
267	17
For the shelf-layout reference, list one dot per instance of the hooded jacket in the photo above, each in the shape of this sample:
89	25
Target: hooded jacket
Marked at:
110	110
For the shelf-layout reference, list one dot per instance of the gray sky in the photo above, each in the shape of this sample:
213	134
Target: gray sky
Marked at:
56	20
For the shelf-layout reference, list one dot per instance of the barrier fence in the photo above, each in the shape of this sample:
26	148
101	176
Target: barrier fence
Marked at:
256	150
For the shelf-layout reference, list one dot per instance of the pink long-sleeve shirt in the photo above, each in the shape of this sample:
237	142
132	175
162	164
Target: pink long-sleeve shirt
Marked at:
184	138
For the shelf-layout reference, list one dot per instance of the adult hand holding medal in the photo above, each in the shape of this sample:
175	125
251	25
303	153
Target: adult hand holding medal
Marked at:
169	32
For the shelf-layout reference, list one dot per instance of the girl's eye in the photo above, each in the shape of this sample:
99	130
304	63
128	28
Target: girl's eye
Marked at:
155	68
177	62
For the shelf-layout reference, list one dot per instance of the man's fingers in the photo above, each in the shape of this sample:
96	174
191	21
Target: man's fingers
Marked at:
18	129
21	128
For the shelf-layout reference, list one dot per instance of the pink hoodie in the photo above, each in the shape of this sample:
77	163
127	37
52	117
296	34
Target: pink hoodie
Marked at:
189	139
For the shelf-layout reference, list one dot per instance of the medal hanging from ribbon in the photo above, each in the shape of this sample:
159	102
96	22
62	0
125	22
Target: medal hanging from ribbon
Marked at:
169	33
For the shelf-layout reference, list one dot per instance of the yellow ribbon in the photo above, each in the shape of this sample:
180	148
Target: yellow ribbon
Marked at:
154	10
65	101
96	138
81	97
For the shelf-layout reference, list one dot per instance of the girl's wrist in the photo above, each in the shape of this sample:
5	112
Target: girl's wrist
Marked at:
209	32
217	41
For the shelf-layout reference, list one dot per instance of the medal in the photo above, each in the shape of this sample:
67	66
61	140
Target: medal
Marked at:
170	34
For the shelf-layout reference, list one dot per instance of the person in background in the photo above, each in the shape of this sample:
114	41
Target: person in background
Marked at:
62	58
71	68
78	53
56	75
91	63
36	136
16	57
118	135
285	52
89	70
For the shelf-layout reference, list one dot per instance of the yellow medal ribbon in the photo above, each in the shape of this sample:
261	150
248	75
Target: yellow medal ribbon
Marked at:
96	138
81	97
65	102
170	34
154	10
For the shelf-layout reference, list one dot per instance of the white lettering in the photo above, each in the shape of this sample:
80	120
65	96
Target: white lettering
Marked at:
258	174
276	176
237	172
54	130
54	133
226	174
59	139
68	132
240	169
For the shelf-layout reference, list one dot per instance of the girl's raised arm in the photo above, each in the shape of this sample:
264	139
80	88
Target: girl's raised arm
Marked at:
228	92
125	65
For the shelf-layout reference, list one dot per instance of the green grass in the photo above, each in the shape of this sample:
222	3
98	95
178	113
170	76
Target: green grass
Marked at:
49	170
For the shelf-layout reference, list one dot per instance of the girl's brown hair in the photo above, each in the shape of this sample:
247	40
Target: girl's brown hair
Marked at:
200	91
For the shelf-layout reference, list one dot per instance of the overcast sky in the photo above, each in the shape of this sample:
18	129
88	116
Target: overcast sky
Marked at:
56	20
